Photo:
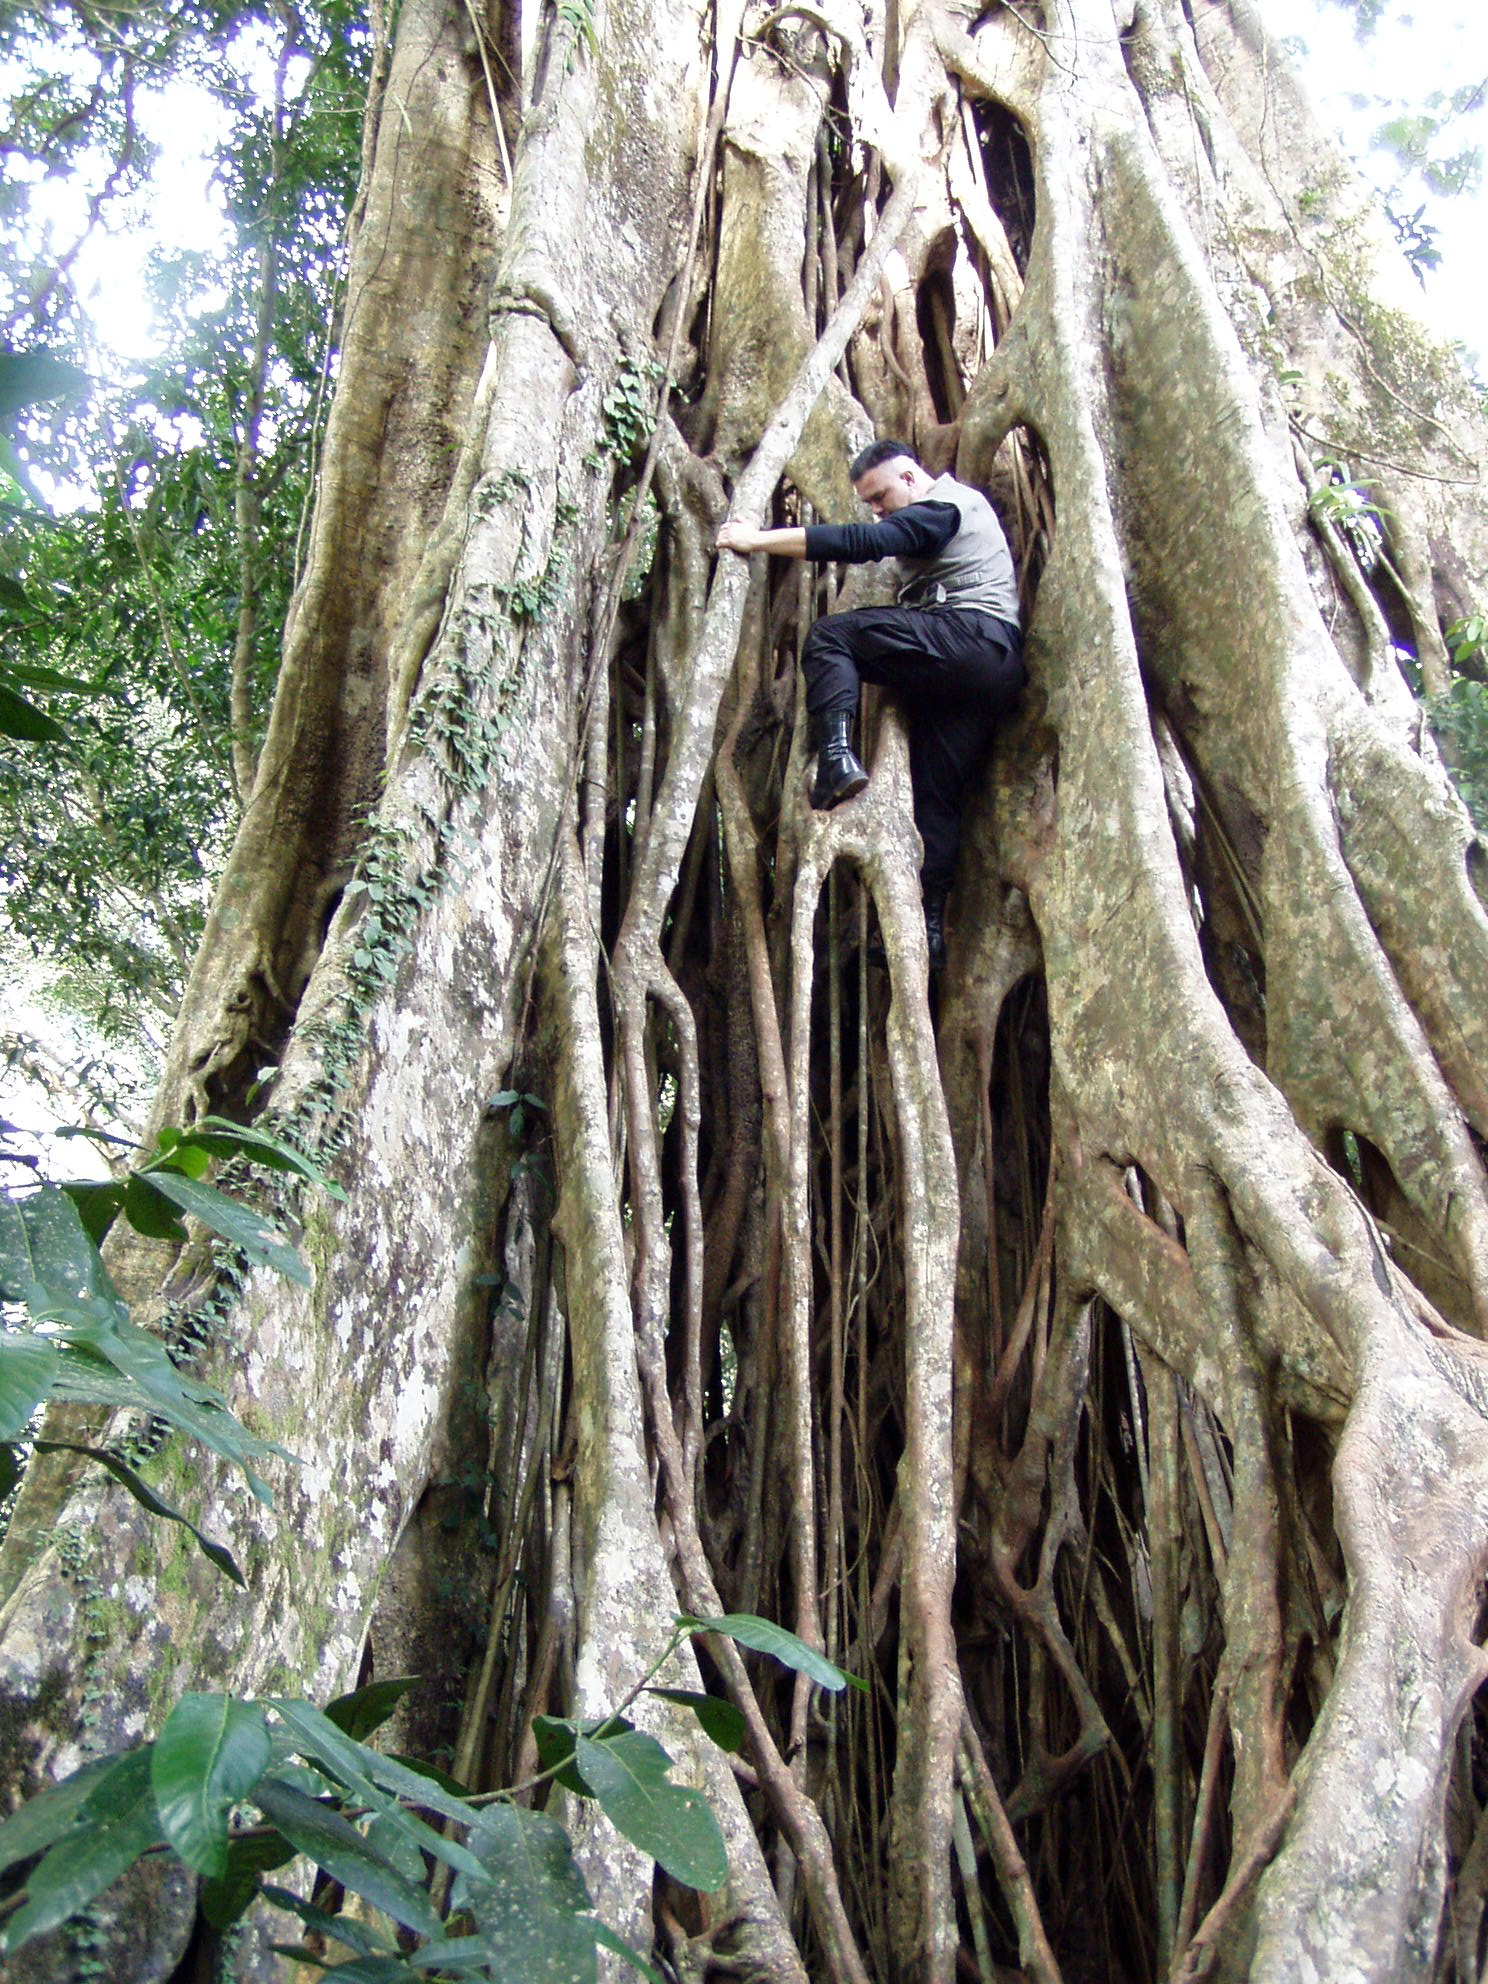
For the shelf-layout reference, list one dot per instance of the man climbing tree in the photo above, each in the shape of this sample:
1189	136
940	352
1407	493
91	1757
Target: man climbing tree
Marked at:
951	646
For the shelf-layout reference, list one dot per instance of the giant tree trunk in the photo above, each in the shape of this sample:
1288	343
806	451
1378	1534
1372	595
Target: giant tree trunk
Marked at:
1086	1351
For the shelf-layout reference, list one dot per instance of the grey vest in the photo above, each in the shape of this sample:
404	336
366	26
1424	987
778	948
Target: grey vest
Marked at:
975	568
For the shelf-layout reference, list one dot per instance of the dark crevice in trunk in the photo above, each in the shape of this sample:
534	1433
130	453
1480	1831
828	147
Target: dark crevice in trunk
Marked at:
1008	162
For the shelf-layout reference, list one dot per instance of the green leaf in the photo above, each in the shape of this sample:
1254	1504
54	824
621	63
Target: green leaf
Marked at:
220	1138
150	1212
421	1767
365	1938
153	1384
459	1954
718	1716
145	1495
28	378
764	1636
360	1970
358	1715
210	1754
387	1834
555	1737
532	1911
675	1825
380	1781
44	1244
116	1825
224	1900
28	1365
42	1820
22	493
98	1201
31	675
333	1844
239	1223
20	718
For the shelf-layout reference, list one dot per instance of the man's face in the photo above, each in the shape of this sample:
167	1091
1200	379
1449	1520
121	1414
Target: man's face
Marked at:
888	487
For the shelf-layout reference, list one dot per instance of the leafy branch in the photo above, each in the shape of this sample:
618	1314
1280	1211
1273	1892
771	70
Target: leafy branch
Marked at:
237	1788
83	1348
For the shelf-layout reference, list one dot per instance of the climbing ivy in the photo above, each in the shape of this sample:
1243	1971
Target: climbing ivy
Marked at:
629	408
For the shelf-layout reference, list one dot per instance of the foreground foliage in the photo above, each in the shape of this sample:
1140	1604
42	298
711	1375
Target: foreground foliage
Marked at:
359	1816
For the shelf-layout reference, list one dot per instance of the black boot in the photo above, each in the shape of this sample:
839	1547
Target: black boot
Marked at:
935	902
838	773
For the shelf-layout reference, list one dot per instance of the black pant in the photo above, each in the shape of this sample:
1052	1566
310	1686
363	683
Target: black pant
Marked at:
958	674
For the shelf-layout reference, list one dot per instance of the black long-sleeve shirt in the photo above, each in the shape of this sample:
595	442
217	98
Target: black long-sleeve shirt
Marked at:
919	530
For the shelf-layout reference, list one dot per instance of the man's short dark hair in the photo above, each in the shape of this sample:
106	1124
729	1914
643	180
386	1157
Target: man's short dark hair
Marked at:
878	452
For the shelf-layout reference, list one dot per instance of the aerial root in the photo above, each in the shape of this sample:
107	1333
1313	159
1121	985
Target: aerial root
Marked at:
981	1792
1045	1464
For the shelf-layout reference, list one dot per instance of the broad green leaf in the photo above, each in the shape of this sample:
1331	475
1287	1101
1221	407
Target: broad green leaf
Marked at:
20	718
247	1229
555	1736
718	1716
390	1838
672	1823
363	1938
210	1754
42	1820
323	1836
98	1202
358	1715
221	1138
365	1769
149	1211
532	1911
28	378
223	1901
145	1495
153	1384
314	1783
84	1313
360	1969
31	675
28	1365
44	1244
764	1636
116	1825
458	1956
421	1767
380	1782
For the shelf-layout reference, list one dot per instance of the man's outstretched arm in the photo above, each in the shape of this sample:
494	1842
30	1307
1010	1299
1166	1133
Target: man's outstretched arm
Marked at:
739	537
918	531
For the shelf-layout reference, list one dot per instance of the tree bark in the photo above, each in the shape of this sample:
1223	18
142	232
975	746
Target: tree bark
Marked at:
1085	1350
